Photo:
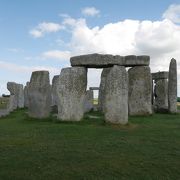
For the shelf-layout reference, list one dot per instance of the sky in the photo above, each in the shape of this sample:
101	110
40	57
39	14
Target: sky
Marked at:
44	34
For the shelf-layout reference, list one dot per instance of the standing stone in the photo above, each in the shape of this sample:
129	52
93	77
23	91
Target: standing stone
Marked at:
101	96
116	96
39	93
161	95
11	105
26	99
172	87
55	82
140	91
88	102
16	90
71	93
20	96
54	105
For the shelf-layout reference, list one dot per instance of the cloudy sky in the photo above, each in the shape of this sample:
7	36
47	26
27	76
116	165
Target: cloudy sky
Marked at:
44	34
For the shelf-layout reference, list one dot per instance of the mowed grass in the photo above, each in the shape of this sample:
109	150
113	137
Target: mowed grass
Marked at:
146	148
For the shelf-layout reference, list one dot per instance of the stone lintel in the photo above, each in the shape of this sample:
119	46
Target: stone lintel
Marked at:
107	60
160	75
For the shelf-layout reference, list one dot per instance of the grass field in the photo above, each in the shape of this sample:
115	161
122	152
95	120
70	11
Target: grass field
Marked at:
147	148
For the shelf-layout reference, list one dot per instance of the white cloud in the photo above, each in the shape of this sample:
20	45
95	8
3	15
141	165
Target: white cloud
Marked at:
159	39
173	13
44	28
90	11
26	69
57	54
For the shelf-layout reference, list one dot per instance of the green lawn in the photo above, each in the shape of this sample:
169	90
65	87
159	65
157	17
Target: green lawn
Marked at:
147	148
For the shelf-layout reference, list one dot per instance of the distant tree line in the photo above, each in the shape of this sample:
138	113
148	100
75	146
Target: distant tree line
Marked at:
178	99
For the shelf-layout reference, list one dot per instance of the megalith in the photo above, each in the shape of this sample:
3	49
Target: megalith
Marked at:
20	96
161	95
55	82
26	99
39	93
18	92
71	93
12	105
140	91
101	96
88	101
172	87
116	96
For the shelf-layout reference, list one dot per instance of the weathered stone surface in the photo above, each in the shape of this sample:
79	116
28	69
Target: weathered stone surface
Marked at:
88	102
161	95
55	83
26	99
20	96
12	103
160	75
71	93
140	91
7	103
107	60
101	97
94	88
4	110
172	87
39	93
116	96
16	90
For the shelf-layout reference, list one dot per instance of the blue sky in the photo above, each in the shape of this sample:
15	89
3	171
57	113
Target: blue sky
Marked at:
43	34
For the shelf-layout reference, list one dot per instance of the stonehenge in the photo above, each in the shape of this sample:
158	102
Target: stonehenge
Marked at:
172	87
116	96
54	104
26	101
71	93
127	88
160	93
104	61
140	89
18	92
101	97
165	89
39	95
88	101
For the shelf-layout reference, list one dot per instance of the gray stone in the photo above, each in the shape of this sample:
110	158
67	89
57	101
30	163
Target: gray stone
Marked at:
160	75
16	90
161	95
55	83
94	88
116	96
88	102
6	105
12	105
71	93
172	87
107	60
140	91
4	110
26	99
101	96
21	96
39	93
